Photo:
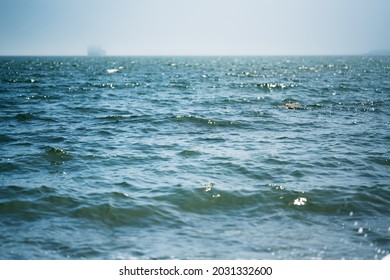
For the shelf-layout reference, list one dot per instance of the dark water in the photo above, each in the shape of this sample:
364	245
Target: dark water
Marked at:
194	158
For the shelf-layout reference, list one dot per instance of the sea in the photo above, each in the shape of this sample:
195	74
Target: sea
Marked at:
267	157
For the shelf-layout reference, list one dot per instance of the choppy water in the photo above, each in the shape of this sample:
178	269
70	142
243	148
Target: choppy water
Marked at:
194	158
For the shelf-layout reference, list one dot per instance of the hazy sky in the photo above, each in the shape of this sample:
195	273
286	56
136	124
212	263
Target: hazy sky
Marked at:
194	27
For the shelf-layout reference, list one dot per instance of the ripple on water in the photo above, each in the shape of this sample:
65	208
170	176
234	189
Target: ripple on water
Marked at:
194	157
56	156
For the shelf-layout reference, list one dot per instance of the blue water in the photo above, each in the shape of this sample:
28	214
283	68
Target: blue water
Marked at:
194	157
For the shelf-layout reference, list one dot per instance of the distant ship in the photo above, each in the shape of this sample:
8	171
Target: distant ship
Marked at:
96	51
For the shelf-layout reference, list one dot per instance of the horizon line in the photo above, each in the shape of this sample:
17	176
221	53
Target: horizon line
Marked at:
371	53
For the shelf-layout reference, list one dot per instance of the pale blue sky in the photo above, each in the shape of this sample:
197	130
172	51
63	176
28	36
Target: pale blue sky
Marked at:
194	27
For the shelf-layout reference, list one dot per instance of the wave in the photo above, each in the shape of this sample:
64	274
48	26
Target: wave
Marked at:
122	207
35	116
56	156
266	87
182	207
6	139
208	122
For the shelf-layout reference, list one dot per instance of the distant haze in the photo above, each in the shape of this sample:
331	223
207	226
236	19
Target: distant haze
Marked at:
194	27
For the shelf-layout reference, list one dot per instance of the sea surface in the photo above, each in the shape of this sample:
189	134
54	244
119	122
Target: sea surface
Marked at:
195	157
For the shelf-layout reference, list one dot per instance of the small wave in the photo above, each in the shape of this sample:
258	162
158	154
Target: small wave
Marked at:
32	116
210	139
5	138
275	86
265	87
44	97
117	216
346	87
113	209
56	156
179	85
210	199
274	198
381	160
106	85
8	166
25	116
128	118
209	122
12	192
23	202
133	84
189	153
120	117
369	200
91	85
24	80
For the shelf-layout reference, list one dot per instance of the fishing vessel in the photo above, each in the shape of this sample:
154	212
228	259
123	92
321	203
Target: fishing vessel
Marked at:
96	51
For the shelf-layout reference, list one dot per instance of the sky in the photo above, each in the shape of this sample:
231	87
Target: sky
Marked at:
194	27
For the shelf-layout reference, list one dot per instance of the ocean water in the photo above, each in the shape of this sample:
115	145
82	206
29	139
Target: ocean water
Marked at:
194	157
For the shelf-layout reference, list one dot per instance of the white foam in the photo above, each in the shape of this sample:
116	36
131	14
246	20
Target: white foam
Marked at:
300	201
111	71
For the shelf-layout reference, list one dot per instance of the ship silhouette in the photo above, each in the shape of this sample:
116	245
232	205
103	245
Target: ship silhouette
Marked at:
96	51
